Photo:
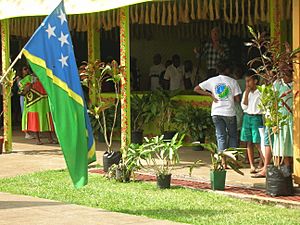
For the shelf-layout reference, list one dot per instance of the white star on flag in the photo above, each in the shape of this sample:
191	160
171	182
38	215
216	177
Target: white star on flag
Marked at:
62	17
63	60
50	31
63	39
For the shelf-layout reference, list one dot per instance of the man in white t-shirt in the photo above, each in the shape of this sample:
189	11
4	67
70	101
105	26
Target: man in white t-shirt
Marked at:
155	71
224	91
174	76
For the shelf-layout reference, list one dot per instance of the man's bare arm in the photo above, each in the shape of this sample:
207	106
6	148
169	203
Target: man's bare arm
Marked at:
200	91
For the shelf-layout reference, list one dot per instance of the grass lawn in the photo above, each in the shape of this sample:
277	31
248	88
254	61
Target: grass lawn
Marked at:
142	198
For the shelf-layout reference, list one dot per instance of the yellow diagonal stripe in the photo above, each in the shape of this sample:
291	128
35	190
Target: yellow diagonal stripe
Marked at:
63	85
92	150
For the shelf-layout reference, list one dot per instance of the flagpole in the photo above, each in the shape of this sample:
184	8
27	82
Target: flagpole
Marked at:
11	66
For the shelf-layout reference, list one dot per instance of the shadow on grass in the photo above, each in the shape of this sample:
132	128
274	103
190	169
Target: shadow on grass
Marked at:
177	214
26	204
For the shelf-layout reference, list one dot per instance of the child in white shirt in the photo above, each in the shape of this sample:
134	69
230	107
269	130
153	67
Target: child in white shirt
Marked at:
252	119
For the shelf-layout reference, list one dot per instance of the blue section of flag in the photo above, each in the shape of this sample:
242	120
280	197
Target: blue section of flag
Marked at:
53	29
54	38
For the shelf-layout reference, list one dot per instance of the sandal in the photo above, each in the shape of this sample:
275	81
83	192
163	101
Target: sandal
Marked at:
252	171
258	175
39	143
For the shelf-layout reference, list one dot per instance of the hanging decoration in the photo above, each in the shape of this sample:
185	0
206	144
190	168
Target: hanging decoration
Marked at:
172	13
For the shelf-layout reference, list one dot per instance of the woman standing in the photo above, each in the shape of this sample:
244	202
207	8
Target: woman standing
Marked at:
23	73
283	140
36	115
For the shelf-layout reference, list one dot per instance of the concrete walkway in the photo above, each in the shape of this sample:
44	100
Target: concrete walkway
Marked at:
25	210
28	157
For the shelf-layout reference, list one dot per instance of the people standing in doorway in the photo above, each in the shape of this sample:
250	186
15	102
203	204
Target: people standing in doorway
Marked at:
190	72
214	51
134	74
174	76
224	91
252	120
155	71
162	81
36	116
23	73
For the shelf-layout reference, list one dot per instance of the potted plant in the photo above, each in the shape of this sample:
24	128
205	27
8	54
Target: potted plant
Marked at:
97	73
164	107
218	169
195	122
130	163
141	114
275	64
162	156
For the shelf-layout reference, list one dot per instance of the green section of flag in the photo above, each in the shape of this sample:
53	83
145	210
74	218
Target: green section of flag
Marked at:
71	133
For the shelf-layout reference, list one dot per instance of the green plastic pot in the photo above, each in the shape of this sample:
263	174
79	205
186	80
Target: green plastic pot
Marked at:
217	180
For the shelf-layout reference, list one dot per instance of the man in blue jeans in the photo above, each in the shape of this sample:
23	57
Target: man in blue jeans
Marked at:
224	91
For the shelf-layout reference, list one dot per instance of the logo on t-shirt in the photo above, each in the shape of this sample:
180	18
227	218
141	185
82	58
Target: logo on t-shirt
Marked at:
222	91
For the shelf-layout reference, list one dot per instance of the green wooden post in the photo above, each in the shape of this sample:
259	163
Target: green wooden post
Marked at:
125	81
93	38
6	87
278	24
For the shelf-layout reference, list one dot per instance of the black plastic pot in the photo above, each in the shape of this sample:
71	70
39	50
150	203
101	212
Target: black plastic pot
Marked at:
168	135
163	181
137	137
196	145
122	176
197	148
217	180
279	181
110	159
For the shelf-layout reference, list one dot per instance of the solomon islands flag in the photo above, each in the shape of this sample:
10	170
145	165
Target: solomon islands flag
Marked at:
51	57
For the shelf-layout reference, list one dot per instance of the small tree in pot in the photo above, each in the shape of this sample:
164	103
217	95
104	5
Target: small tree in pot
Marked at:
162	157
97	73
275	65
218	170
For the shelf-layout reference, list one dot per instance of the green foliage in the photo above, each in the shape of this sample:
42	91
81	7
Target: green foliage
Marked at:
270	100
144	199
275	59
133	156
232	156
194	121
161	155
164	107
104	113
274	63
141	110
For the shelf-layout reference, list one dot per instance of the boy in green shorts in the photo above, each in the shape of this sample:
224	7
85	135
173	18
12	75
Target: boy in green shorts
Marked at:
252	119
